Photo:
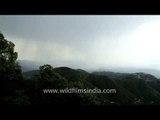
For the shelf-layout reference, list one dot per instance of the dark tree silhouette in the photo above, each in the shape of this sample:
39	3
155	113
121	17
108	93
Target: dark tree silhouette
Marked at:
10	71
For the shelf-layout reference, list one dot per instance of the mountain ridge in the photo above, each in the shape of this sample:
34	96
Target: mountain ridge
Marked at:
28	65
137	88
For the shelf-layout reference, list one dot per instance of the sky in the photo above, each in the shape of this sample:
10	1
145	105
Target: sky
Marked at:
86	41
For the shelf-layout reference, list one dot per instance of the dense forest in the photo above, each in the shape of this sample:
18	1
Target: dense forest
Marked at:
23	89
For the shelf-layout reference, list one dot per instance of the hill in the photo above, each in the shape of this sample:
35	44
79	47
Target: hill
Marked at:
131	89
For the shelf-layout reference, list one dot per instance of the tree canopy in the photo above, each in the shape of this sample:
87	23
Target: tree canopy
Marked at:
8	56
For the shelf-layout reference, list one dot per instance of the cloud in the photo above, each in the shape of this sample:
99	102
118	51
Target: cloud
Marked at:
44	51
84	41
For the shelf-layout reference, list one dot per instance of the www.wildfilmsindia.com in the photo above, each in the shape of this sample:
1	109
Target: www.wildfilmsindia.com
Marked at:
77	90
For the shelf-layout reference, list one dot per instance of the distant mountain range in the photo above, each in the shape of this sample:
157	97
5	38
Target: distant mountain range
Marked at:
132	70
132	88
114	75
27	65
34	65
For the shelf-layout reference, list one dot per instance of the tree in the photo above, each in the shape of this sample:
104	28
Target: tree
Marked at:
10	71
47	79
7	54
50	76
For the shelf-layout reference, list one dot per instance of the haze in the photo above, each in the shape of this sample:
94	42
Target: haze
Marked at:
86	42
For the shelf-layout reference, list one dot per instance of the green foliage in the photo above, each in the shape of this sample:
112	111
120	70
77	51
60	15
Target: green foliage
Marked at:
10	71
130	90
142	91
103	82
155	84
50	78
18	98
8	58
7	54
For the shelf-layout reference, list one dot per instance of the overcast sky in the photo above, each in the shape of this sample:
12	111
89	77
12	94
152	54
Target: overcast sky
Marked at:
87	42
